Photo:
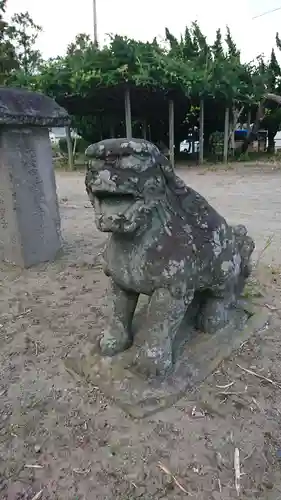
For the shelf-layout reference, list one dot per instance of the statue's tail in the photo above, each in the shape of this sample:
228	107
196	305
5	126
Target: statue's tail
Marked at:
246	247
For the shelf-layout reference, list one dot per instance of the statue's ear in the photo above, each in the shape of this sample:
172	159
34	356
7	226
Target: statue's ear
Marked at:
165	166
173	181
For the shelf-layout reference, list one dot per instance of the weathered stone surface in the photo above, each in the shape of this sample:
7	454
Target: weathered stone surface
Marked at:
29	215
166	242
23	107
195	361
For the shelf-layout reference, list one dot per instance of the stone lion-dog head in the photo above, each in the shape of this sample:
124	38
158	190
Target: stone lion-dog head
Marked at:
125	180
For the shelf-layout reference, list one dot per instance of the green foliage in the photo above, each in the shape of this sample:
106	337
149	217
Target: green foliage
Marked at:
273	72
8	60
188	69
25	34
18	58
85	68
232	50
190	66
81	145
217	47
88	127
278	41
272	75
216	73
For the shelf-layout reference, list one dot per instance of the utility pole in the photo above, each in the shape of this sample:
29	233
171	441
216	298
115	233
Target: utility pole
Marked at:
95	22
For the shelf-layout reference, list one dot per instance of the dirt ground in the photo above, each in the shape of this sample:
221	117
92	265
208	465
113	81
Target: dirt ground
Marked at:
63	440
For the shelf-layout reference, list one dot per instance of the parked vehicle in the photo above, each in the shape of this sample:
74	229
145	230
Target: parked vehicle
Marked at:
189	146
57	133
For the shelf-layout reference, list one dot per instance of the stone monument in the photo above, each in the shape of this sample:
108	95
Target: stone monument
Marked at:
29	216
166	242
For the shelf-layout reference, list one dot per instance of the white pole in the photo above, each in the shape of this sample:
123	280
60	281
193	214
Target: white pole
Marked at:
95	22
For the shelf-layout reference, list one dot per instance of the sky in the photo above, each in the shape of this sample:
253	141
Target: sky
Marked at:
62	20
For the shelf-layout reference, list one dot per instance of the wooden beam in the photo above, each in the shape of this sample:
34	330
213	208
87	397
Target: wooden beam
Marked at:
172	132
201	133
273	97
144	129
69	148
226	135
128	114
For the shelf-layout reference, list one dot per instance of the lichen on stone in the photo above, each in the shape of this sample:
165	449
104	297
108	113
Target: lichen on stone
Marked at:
163	237
26	108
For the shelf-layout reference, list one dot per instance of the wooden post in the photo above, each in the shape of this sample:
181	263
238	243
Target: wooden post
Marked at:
172	132
144	129
74	146
128	115
112	131
149	133
249	121
233	141
201	132
256	125
226	135
69	148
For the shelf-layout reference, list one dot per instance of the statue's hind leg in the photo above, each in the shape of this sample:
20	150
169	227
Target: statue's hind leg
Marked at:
117	337
218	305
214	315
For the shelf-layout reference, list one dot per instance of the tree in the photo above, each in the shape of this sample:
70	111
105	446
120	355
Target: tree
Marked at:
8	59
272	113
217	48
232	50
25	33
218	77
268	113
274	72
18	58
87	78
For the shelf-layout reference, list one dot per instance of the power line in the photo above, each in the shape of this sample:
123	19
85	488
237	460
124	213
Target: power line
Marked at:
267	12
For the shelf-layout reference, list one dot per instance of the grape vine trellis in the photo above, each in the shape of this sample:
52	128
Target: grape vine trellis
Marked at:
186	75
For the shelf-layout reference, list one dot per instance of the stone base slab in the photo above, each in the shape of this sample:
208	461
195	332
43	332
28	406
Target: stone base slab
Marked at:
198	358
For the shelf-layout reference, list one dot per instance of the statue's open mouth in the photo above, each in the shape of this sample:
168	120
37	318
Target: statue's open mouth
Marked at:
115	211
114	196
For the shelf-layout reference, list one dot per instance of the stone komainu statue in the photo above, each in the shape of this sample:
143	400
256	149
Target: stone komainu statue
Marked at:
165	241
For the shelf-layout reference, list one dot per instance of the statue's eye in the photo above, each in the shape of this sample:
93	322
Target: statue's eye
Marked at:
95	165
142	156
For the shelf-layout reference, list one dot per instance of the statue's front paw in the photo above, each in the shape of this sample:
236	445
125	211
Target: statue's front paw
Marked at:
111	344
153	362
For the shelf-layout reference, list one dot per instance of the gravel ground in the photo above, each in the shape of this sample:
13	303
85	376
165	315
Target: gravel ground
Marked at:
63	440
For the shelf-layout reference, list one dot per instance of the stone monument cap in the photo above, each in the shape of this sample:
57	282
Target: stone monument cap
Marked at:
27	108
